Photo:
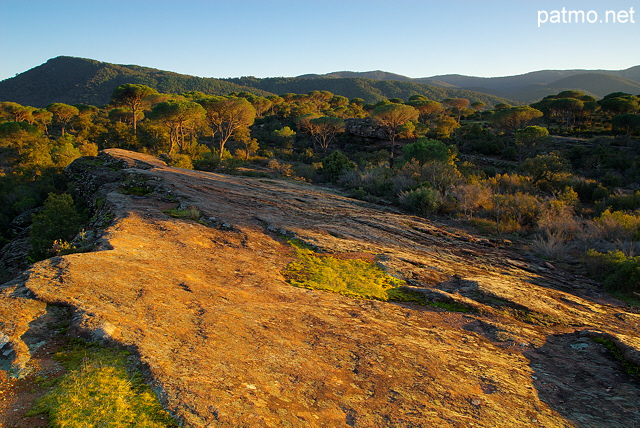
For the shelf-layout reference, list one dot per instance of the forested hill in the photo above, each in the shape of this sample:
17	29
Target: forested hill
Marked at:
369	90
85	81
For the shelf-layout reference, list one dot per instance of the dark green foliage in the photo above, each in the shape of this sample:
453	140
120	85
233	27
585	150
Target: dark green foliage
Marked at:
547	168
59	220
628	123
422	201
425	150
336	164
618	271
11	130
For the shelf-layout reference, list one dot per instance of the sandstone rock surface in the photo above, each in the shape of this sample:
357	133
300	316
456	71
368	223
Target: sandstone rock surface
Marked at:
227	342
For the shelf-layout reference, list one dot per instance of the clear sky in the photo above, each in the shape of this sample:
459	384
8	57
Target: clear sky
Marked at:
417	38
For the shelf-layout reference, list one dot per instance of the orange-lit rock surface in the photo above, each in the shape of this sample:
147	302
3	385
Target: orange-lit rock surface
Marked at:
227	342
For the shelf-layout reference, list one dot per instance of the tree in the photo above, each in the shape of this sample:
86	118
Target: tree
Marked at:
391	117
122	114
567	108
502	106
325	129
478	105
444	126
43	117
225	115
628	122
64	152
620	105
529	137
63	113
457	105
428	109
180	117
131	95
261	104
513	118
549	168
17	112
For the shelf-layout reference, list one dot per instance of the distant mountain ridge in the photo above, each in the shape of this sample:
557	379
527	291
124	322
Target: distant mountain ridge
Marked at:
370	90
85	81
525	88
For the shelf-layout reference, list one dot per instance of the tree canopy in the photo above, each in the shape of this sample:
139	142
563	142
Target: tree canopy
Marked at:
131	95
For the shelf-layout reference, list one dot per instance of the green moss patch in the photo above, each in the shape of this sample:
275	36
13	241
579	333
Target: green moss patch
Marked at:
100	389
350	277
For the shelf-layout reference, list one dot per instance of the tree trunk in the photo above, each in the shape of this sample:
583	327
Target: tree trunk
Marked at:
135	128
392	159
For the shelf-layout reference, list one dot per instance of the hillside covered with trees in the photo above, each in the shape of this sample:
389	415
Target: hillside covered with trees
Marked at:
561	176
77	80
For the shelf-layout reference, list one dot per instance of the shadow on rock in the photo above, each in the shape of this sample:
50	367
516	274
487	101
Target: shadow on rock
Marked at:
582	381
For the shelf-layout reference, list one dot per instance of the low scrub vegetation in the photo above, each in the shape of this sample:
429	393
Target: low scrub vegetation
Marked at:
563	181
618	271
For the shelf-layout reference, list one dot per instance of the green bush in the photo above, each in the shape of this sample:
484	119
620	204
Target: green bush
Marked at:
59	220
618	271
336	164
424	150
422	201
180	161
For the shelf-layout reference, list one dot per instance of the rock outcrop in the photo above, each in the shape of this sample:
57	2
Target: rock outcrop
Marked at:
227	342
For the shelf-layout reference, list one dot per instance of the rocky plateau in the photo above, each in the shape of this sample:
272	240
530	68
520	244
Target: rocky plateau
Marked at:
225	341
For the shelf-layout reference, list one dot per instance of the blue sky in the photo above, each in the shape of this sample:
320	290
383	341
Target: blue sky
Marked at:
216	38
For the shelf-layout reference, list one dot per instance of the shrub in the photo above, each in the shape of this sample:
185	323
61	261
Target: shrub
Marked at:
424	150
618	225
619	272
422	201
550	246
180	161
334	165
519	209
282	168
58	220
471	196
557	218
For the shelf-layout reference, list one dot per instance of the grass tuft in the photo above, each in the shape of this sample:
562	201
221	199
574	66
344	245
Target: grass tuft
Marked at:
190	213
100	390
